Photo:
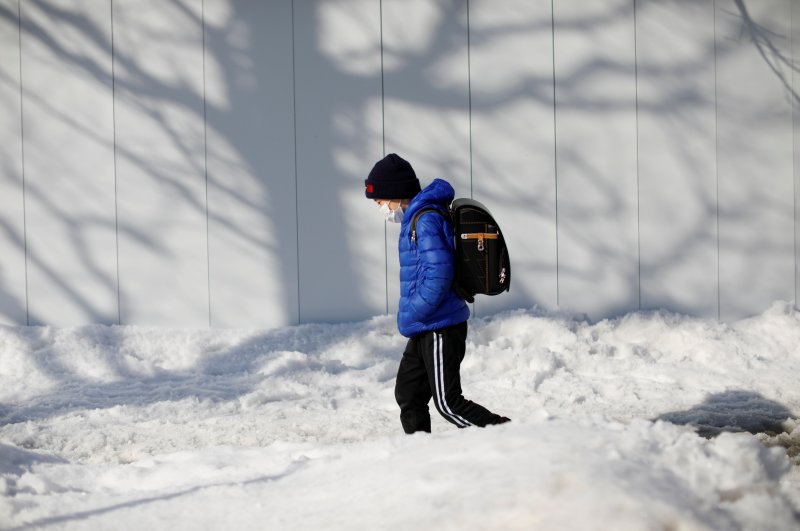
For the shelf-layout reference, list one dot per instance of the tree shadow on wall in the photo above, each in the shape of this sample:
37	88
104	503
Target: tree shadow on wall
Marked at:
778	59
227	48
733	411
158	147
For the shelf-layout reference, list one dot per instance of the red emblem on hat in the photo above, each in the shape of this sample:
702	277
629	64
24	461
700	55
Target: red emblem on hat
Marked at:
370	189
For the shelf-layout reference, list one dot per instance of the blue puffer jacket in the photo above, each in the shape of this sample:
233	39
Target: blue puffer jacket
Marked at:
427	300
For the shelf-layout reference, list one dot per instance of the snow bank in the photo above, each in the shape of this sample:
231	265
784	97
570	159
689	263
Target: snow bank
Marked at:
296	428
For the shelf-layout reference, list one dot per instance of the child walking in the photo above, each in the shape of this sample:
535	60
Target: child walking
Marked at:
430	314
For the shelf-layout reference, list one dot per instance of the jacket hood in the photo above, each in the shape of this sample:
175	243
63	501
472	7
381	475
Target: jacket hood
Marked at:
438	193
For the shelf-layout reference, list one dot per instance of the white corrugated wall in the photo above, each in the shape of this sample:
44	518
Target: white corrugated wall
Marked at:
201	162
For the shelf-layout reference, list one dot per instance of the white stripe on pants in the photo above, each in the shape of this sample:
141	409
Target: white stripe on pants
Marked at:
438	367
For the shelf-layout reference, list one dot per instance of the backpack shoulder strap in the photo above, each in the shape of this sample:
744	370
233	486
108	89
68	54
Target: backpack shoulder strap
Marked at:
419	214
447	214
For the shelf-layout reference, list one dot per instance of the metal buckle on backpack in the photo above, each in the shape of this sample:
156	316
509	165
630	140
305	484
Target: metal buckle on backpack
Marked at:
480	236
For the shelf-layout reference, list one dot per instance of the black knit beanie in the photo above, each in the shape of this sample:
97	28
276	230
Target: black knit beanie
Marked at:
392	177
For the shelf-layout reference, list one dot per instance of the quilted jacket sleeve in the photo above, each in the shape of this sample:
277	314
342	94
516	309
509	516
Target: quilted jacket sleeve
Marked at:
435	269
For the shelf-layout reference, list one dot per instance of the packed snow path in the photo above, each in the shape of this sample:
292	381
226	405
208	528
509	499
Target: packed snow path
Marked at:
297	428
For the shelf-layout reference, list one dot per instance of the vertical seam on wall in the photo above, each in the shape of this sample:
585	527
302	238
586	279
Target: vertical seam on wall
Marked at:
383	93
469	116
716	163
205	158
114	141
296	184
794	100
555	145
469	103
383	136
22	148
638	183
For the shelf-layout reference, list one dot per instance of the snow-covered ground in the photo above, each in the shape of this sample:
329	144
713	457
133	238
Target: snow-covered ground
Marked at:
297	428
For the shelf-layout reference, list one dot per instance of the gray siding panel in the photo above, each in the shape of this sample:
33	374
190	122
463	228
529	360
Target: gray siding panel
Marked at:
513	142
596	158
338	114
69	162
161	174
677	155
13	303
251	174
754	116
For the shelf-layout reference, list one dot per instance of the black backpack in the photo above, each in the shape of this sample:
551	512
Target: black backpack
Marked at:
482	261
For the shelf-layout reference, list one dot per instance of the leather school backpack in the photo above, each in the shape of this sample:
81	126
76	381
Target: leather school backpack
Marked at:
481	256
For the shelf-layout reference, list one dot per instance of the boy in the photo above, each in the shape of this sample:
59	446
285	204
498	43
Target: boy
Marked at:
430	313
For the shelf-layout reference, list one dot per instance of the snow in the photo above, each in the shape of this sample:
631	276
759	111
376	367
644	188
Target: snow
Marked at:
650	421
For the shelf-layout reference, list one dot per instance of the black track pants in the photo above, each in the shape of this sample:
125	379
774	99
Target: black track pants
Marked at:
430	368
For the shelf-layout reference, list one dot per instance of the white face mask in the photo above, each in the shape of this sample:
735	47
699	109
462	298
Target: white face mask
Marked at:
392	216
